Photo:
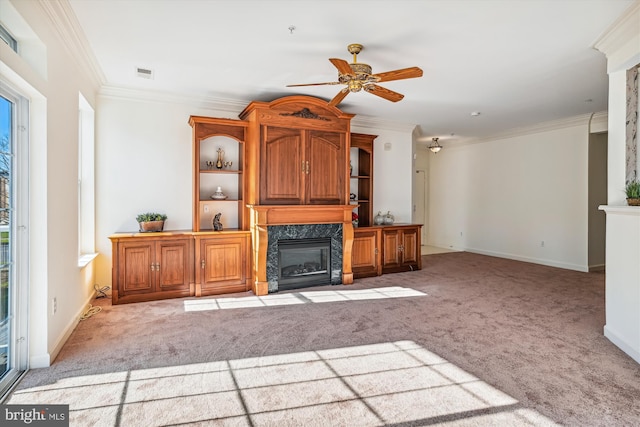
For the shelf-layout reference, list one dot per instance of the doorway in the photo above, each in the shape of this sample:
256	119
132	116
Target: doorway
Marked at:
420	202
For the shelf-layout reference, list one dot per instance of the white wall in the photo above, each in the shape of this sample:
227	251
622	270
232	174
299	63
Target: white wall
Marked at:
53	229
504	197
392	171
621	45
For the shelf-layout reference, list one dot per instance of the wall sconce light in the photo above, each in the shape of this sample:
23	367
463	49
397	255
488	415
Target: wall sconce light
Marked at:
435	147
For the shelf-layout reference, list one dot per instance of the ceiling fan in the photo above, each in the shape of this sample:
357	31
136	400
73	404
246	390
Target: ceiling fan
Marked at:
357	76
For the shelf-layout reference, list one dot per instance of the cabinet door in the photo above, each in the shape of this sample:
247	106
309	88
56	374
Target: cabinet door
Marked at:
282	166
172	264
136	270
391	252
410	247
326	174
365	260
223	265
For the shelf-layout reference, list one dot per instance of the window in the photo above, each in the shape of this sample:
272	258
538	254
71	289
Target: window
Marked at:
86	182
8	39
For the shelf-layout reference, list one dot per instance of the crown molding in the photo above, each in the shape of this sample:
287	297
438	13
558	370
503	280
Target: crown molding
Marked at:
68	28
580	120
599	122
620	41
233	106
374	123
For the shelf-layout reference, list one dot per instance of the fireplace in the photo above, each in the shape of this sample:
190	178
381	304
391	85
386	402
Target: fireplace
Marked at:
273	223
304	262
300	241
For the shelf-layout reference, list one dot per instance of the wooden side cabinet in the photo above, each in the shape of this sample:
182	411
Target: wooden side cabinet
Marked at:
223	263
401	248
366	252
151	266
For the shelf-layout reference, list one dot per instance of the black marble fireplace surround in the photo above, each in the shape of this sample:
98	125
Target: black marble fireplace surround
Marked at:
308	231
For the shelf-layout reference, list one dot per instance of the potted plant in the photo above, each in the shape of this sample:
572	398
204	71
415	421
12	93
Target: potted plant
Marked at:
633	192
151	221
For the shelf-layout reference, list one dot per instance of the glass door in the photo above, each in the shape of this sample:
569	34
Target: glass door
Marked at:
12	335
5	238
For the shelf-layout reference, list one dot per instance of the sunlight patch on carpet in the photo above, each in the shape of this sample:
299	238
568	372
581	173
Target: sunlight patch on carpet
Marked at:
305	297
368	385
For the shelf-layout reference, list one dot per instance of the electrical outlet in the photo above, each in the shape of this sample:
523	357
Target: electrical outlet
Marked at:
54	305
206	208
542	244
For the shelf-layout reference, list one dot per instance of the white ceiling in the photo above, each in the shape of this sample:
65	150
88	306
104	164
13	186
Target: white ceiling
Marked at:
517	62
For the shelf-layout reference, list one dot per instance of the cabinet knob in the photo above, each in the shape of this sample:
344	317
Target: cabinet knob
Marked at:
307	167
158	266
202	264
153	267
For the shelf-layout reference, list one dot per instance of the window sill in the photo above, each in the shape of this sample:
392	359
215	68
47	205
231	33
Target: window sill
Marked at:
85	259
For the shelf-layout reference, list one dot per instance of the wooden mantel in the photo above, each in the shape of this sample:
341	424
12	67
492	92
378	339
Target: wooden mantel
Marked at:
262	216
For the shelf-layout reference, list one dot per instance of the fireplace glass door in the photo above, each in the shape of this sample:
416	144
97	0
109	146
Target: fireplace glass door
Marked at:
304	262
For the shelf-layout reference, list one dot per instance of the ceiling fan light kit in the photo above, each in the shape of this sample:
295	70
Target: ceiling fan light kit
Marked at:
358	76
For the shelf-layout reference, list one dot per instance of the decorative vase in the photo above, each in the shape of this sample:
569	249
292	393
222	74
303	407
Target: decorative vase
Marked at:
388	218
218	195
220	161
633	202
150	226
378	219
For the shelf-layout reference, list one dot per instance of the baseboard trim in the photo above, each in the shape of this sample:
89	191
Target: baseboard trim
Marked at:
547	262
70	328
40	361
621	343
596	268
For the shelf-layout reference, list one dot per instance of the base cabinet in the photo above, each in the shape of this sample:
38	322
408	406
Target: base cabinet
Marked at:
223	264
401	248
366	253
149	269
152	266
386	249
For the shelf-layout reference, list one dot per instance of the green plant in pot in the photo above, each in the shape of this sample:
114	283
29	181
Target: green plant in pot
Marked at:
633	192
151	221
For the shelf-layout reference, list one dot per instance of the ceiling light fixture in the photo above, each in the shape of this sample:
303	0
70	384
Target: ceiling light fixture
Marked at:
435	147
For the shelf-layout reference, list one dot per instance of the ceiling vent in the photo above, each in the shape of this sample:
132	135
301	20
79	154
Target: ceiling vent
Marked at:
144	73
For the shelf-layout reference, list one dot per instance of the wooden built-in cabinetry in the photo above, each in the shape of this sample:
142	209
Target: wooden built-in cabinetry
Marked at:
223	263
299	166
151	266
288	162
362	176
401	248
386	249
366	252
148	267
209	136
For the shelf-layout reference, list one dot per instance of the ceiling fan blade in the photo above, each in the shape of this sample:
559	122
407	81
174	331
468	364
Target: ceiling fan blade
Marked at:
384	93
339	97
342	65
405	73
315	84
